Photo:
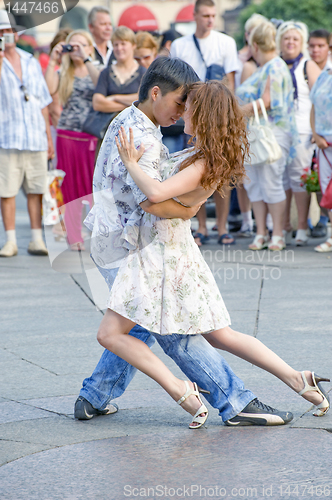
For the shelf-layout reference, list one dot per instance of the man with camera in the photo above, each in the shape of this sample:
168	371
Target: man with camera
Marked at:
25	138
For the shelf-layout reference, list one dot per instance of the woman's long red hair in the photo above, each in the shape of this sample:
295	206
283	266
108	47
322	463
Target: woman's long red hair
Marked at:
220	129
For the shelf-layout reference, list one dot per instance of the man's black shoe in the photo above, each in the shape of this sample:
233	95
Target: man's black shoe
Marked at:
85	411
257	413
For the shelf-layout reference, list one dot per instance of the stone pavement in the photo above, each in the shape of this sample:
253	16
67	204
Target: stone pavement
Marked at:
48	346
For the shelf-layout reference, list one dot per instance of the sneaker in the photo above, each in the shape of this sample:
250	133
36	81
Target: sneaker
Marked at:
85	411
9	249
319	231
245	233
257	413
37	248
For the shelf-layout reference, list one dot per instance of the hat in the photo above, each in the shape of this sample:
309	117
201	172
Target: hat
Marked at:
7	21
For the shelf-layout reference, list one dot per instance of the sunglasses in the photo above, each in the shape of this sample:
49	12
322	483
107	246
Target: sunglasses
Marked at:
138	59
25	92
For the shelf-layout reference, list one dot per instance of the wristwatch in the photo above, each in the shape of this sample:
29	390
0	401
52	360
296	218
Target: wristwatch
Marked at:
88	59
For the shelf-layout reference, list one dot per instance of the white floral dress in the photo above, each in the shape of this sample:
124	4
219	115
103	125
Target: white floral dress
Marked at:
165	285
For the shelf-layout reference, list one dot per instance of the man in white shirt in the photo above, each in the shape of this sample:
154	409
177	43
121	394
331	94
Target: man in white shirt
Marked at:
216	48
25	137
100	27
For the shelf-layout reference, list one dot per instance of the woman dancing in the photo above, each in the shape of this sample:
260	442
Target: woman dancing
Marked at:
164	284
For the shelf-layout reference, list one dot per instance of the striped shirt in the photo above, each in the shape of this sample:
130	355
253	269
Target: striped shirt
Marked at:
22	125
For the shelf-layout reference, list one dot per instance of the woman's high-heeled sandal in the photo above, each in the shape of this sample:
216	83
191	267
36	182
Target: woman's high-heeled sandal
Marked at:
324	406
203	409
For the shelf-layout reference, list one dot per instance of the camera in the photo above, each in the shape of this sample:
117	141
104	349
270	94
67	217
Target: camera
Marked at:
9	37
67	48
2	44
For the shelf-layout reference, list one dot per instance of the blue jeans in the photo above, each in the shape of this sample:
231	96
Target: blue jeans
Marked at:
198	360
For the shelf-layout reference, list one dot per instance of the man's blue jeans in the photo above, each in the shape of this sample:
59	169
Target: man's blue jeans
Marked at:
198	360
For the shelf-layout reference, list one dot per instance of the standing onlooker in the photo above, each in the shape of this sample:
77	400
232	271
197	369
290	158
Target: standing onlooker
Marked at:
146	49
100	27
273	83
321	122
247	66
319	48
216	48
320	52
25	138
55	107
167	38
118	84
75	149
292	45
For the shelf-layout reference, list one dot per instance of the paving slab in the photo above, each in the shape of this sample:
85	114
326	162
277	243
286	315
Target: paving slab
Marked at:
242	462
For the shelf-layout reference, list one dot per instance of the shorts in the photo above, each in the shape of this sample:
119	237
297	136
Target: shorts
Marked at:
265	182
294	170
27	169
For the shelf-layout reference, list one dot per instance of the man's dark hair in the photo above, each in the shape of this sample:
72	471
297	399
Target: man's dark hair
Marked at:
169	75
320	34
206	3
169	36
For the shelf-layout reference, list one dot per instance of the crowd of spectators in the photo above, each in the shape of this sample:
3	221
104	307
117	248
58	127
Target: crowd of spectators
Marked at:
43	118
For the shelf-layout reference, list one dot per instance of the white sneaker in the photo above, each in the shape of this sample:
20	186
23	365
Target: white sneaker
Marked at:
9	249
37	248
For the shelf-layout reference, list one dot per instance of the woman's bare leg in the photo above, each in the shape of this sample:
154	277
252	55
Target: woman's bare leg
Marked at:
254	351
113	335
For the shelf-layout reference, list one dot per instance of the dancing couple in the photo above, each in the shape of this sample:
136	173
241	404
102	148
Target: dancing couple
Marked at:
156	274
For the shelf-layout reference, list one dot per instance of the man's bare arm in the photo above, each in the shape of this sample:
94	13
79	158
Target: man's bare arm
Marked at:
170	209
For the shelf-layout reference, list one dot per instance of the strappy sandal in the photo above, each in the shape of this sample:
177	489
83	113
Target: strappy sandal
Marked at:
202	409
301	237
257	244
277	243
324	406
325	247
201	239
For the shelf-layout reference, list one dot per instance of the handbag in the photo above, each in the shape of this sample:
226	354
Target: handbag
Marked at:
52	199
264	147
97	123
326	201
214	71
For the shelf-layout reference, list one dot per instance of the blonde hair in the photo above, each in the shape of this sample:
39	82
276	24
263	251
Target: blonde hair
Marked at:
144	40
301	28
254	21
264	35
124	34
67	69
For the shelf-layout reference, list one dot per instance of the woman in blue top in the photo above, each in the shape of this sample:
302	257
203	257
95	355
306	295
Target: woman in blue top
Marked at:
321	123
271	82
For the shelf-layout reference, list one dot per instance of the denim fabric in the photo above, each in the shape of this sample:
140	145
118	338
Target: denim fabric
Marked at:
199	361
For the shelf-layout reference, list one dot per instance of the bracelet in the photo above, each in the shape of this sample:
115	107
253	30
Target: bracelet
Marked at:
88	59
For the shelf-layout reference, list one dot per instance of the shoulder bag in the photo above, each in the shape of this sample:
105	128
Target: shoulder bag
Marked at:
326	201
213	72
264	147
97	123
